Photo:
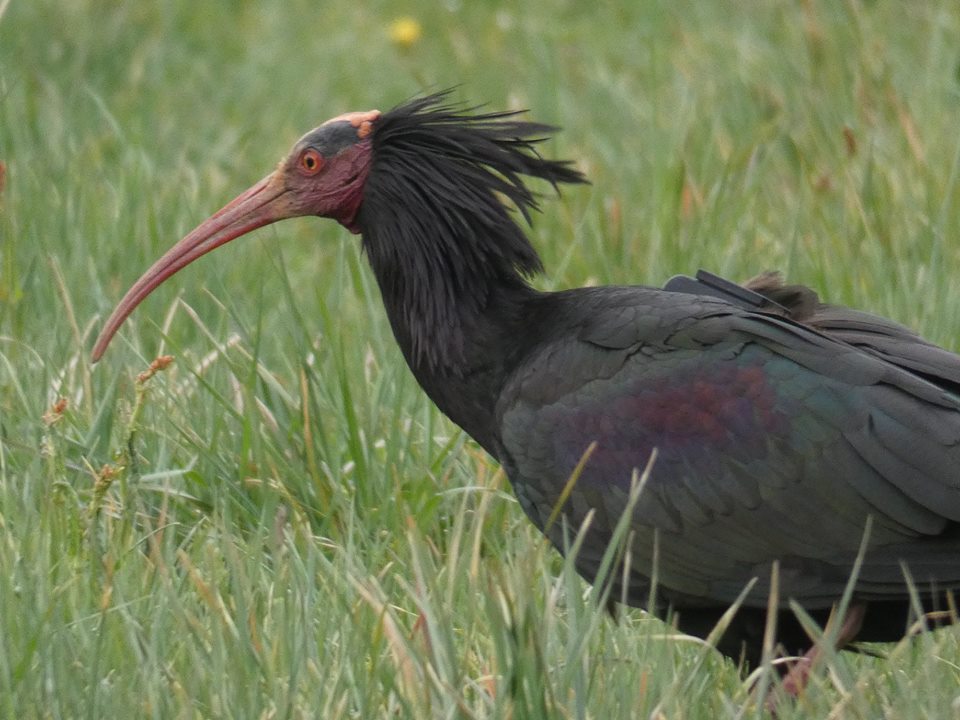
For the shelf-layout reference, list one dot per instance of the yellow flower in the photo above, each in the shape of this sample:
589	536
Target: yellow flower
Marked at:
405	32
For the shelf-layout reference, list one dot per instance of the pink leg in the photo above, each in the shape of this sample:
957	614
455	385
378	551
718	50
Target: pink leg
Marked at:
798	676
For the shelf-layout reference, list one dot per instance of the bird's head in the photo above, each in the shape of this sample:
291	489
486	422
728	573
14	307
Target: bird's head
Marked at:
324	175
425	177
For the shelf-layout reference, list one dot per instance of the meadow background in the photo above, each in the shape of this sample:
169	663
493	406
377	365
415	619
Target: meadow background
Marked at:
279	525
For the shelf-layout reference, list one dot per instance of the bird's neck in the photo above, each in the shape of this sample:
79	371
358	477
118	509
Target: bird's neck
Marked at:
459	322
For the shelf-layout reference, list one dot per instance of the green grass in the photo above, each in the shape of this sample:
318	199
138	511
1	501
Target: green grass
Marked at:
280	524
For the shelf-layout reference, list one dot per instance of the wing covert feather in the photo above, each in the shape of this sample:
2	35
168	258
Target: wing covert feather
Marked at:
773	442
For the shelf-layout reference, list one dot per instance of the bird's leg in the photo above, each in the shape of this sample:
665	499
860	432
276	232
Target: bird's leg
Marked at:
797	677
613	609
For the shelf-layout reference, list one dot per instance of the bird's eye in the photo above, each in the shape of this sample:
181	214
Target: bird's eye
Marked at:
311	161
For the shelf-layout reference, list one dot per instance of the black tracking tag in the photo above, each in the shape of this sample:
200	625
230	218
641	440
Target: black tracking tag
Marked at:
706	283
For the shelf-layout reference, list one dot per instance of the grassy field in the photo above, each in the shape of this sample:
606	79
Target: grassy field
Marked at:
280	525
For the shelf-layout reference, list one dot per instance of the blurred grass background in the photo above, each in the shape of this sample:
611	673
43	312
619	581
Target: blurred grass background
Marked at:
279	524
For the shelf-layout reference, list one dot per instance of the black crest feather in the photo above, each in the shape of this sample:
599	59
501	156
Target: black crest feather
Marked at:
436	217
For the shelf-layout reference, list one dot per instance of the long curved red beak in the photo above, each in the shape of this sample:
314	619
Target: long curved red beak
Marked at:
264	203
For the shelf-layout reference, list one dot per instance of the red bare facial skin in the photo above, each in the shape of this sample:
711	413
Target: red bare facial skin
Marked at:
337	191
328	187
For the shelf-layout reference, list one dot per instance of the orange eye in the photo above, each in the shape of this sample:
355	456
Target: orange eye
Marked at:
311	161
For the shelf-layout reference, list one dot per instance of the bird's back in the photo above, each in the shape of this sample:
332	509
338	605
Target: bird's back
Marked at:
775	437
